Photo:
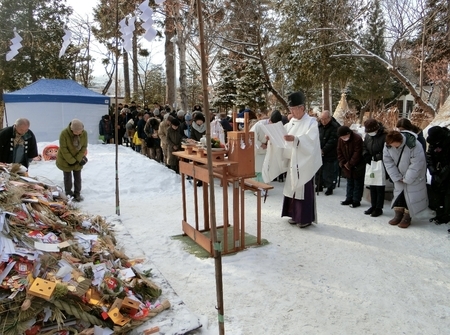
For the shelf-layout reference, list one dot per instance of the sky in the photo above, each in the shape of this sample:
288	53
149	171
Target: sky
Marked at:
85	8
348	274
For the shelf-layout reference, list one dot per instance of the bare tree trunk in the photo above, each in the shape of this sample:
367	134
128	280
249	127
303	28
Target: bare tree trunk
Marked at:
326	93
86	72
126	76
267	76
31	28
169	52
135	67
183	71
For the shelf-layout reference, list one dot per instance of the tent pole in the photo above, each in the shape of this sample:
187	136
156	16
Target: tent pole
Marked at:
116	112
217	247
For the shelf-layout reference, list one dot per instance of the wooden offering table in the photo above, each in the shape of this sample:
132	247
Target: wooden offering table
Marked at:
193	163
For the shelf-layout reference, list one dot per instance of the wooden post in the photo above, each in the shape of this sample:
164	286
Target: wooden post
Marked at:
215	242
116	113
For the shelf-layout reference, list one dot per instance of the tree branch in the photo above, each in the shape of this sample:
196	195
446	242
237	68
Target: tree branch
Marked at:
237	52
239	42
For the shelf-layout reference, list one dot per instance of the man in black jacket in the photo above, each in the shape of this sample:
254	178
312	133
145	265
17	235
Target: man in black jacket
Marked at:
18	143
328	173
438	163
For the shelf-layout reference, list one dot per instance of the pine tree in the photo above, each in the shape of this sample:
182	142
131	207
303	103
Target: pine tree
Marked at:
41	24
155	85
307	37
372	81
225	87
250	89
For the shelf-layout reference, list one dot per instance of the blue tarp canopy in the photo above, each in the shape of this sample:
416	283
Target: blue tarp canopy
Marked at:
56	90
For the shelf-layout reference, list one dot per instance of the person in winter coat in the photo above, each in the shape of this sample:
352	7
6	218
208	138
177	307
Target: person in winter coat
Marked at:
153	141
106	129
328	173
173	144
406	166
71	157
162	133
198	127
438	162
187	126
373	151
18	143
349	151
137	143
131	129
406	125
142	120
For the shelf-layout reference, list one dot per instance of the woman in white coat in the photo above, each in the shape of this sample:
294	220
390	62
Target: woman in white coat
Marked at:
405	164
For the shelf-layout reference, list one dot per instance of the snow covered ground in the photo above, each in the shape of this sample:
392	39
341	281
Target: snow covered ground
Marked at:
349	274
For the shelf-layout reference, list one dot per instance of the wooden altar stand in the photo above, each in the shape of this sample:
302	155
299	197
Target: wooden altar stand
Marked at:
193	163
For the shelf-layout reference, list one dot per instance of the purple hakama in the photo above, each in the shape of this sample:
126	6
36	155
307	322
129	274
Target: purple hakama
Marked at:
301	211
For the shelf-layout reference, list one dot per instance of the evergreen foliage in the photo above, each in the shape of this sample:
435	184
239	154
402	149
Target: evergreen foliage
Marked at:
41	24
372	80
155	87
225	87
250	90
308	37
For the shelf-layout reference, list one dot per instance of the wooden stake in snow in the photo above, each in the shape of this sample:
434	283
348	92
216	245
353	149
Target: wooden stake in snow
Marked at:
216	244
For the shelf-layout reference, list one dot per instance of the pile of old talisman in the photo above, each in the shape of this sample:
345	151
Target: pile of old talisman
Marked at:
60	270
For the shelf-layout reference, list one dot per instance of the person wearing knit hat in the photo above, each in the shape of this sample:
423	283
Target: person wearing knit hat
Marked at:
436	134
349	151
373	146
300	159
76	126
343	131
371	127
438	162
71	157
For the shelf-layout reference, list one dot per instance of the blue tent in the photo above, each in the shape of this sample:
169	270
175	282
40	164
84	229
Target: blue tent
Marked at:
56	90
50	105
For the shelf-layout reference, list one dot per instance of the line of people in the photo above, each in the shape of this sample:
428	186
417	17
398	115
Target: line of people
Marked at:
405	160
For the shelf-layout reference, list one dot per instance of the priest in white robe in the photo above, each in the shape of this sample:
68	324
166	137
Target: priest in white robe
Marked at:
301	159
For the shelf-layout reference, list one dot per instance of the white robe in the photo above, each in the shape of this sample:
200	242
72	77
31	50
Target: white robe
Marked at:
301	159
260	139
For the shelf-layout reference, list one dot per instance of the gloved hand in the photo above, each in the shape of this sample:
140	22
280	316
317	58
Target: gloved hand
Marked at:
84	160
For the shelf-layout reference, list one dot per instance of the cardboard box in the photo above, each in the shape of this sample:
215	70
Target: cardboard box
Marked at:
42	288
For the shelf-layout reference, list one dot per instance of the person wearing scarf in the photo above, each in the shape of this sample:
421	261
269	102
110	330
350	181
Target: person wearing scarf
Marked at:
71	157
198	127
